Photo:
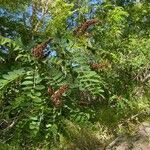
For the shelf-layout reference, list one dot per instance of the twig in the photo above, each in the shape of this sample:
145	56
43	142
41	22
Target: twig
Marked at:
114	142
136	115
12	123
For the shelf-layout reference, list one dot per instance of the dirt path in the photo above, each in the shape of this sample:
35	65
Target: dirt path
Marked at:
139	141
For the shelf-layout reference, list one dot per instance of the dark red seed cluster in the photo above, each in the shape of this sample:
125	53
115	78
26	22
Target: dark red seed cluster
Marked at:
99	66
50	90
38	51
84	26
56	96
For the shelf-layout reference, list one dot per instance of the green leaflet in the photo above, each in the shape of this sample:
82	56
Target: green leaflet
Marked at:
27	83
10	77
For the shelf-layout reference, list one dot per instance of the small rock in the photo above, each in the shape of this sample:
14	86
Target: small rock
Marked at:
141	146
144	129
123	146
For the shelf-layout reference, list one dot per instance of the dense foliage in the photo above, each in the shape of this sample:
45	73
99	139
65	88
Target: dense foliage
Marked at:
69	61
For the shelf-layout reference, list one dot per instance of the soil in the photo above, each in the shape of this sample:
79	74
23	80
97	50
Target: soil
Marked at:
139	141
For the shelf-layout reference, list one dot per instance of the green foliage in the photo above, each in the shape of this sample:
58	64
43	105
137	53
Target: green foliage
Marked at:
14	4
11	77
108	93
60	12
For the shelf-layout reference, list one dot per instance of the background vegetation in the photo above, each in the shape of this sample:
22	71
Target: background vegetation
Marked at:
73	74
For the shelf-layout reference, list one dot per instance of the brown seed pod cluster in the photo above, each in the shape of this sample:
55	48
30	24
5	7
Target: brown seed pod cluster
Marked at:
84	26
50	90
38	51
100	66
56	96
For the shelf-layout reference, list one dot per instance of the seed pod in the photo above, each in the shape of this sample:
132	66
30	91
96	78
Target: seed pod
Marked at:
56	97
38	51
99	66
84	26
50	90
57	102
